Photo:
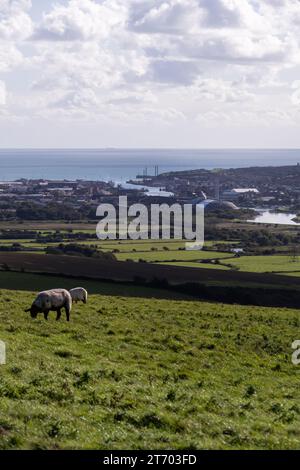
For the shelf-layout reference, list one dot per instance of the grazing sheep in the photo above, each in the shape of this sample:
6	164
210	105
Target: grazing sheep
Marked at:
79	294
55	300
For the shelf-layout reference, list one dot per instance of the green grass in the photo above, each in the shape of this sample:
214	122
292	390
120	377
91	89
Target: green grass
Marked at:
148	249
48	226
196	265
176	255
280	264
129	373
272	263
35	282
291	273
11	241
171	252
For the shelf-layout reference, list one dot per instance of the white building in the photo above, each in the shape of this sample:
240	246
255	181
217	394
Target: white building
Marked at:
235	193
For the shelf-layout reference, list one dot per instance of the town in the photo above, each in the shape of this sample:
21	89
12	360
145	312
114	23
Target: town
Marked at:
226	190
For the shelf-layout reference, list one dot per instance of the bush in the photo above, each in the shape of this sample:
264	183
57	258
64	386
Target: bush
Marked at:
73	249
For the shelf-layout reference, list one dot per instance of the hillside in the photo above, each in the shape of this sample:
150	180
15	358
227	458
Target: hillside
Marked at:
148	373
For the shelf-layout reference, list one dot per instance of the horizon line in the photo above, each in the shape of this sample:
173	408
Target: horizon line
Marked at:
149	148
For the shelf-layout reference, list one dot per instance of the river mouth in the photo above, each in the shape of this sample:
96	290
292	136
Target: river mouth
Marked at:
273	217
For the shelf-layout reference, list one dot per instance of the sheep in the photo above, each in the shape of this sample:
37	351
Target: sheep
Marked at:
79	294
55	300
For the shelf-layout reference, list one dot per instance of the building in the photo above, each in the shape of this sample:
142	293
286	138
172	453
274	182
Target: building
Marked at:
215	204
236	193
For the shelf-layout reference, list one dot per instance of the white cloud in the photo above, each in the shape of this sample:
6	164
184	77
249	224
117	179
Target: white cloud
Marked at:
15	26
219	90
296	93
15	22
139	96
2	93
152	60
82	20
10	56
84	98
222	30
265	118
193	16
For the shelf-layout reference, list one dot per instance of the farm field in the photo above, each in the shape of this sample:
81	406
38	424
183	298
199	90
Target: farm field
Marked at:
280	264
37	282
161	256
172	252
110	245
97	268
48	225
130	373
257	264
148	245
149	251
196	265
292	273
269	263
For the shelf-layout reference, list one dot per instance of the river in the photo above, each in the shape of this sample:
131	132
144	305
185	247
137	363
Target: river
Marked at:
273	217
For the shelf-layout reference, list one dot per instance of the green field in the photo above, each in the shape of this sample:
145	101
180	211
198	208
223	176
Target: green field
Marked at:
159	251
260	264
136	373
36	282
176	255
172	252
192	264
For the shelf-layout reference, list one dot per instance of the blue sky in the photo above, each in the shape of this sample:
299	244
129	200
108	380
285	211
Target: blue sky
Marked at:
150	73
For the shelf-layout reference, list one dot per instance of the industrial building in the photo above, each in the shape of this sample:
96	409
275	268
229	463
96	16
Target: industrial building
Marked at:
236	193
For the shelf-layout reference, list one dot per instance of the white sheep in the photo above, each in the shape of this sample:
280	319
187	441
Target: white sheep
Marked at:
79	294
55	300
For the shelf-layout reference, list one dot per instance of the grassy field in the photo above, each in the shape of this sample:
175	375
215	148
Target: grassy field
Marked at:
161	256
270	263
36	283
195	264
47	225
280	264
171	252
132	373
152	251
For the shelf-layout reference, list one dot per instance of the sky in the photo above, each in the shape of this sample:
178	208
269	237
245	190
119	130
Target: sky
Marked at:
150	73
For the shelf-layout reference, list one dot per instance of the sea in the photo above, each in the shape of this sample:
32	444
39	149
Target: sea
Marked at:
120	165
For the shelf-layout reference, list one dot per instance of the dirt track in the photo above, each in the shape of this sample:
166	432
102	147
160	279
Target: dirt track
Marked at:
129	271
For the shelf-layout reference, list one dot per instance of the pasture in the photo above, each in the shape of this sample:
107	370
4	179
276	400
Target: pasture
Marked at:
37	282
167	252
269	263
138	373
